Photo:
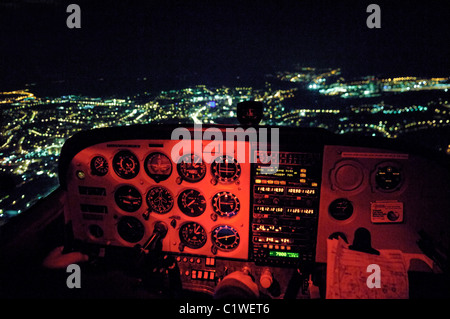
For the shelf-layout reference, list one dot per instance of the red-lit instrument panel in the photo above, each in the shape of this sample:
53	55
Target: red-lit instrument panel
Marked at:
120	190
249	215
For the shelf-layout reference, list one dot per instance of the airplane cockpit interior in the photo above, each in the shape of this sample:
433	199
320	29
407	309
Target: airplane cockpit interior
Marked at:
243	211
224	157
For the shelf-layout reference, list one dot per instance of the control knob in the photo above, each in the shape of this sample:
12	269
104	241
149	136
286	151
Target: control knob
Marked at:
266	279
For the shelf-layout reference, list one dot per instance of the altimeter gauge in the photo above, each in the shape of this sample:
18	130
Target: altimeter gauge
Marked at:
191	168
191	202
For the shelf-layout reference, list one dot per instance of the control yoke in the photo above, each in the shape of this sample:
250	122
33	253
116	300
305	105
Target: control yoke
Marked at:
154	242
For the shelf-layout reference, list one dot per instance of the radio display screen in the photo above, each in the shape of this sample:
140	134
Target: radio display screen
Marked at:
287	254
269	189
284	172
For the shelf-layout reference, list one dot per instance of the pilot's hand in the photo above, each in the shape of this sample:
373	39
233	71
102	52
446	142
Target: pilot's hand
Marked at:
56	259
238	284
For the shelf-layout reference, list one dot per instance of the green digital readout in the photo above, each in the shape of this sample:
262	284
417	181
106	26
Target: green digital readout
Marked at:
288	254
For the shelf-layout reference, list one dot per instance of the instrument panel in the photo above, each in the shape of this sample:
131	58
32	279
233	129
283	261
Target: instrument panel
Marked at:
225	213
121	189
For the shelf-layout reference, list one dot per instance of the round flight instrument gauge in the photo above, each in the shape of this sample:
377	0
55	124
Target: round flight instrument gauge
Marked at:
191	202
128	198
126	164
130	229
191	168
192	235
158	166
388	177
341	209
99	166
159	200
225	169
226	204
225	238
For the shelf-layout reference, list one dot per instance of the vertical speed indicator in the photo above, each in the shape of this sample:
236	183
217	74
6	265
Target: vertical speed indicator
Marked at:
191	202
193	235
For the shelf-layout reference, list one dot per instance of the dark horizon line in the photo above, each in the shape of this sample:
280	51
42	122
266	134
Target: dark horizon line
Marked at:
133	83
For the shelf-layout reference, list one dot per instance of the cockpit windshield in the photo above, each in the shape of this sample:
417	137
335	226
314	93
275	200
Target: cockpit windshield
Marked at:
349	68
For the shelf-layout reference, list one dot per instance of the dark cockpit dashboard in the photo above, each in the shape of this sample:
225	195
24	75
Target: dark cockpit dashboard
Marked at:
165	211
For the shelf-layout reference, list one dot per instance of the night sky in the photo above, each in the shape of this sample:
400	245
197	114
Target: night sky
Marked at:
216	41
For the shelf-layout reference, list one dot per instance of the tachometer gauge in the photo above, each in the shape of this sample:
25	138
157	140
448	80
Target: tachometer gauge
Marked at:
191	202
158	166
128	198
225	238
226	204
99	166
191	168
130	229
159	200
192	235
126	164
225	169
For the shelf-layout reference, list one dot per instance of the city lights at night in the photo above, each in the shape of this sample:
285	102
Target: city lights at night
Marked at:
35	128
39	115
